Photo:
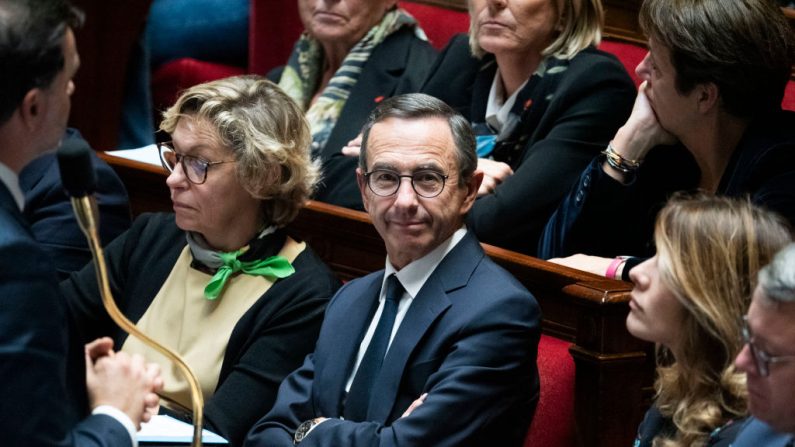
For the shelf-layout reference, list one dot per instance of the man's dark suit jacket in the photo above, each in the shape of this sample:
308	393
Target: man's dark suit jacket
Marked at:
469	340
49	211
756	433
396	66
42	380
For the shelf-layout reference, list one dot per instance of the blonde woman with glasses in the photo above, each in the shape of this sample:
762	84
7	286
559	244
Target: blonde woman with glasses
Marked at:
220	280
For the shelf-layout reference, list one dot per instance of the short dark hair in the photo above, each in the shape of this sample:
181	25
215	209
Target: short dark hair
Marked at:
31	54
744	47
418	106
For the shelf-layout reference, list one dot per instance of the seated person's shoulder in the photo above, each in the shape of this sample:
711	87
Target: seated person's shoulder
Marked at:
594	65
311	268
457	52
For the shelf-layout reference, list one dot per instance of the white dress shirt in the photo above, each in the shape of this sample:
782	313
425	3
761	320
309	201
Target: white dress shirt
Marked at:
412	277
11	180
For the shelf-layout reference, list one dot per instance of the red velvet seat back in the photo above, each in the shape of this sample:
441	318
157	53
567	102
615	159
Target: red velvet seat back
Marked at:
553	424
629	54
439	24
789	97
274	26
171	78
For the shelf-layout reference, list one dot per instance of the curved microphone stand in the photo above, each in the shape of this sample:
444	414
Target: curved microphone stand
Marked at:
79	180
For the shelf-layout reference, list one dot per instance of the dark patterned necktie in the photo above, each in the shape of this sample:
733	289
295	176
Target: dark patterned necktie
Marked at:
359	395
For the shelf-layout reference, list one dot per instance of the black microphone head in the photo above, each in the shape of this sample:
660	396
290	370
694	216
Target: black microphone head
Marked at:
77	170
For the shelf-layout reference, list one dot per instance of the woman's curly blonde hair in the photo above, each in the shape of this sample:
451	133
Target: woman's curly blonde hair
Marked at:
267	133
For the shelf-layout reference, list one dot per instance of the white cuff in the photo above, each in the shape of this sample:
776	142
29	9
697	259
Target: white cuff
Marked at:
123	419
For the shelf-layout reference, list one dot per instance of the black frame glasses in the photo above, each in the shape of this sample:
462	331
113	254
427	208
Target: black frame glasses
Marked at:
426	183
761	358
195	168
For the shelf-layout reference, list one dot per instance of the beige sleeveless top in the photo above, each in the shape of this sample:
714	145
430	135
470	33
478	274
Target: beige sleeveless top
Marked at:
198	329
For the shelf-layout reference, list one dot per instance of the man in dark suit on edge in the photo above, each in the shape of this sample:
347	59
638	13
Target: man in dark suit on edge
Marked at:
768	358
49	384
439	348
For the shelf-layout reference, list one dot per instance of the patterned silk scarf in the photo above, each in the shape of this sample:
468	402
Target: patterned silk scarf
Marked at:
304	69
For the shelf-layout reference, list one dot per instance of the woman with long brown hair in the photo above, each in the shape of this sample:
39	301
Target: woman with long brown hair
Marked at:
689	299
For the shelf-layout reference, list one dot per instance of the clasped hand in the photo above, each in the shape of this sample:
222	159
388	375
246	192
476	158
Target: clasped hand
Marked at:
121	380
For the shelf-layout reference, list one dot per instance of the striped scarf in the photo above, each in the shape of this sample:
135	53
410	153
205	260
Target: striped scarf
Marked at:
302	74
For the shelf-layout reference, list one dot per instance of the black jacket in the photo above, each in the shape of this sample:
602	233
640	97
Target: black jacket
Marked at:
600	216
396	66
267	343
566	119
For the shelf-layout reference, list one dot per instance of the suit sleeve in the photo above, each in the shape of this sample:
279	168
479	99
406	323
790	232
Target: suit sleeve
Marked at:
591	105
50	214
81	291
602	217
36	409
293	406
477	382
491	361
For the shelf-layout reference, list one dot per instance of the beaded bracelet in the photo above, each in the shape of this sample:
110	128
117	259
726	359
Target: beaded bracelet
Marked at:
616	161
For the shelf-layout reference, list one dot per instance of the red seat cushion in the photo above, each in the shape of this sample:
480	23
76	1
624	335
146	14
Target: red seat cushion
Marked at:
171	78
629	54
789	97
553	424
439	24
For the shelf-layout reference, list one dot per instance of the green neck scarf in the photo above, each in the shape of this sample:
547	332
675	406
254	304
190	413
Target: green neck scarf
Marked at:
274	267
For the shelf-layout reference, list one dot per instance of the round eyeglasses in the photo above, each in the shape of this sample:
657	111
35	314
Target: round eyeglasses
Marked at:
761	358
385	182
195	168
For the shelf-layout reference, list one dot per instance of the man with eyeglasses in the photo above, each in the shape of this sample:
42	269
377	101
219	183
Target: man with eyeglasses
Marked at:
768	357
439	348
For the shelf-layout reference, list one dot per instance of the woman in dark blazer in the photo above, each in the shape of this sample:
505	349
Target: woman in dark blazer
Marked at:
542	100
352	55
221	281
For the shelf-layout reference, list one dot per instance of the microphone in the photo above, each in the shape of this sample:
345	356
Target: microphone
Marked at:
79	181
77	170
